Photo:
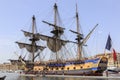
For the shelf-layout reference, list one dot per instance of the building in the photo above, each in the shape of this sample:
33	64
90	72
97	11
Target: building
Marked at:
8	67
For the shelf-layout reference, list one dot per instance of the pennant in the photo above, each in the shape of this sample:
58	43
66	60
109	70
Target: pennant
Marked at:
108	44
114	55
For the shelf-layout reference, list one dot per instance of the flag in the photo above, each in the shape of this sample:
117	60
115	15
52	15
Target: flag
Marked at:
108	44
114	55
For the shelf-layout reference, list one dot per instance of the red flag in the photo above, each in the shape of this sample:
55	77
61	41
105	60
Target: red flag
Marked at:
114	55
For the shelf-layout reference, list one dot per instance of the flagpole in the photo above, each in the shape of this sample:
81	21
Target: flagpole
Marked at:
108	46
105	52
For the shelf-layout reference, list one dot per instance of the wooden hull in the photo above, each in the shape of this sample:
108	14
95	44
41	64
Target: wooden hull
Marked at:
72	73
91	67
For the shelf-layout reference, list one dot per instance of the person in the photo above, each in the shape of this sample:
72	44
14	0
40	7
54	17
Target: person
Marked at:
107	73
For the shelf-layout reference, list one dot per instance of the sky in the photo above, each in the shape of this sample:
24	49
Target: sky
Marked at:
16	15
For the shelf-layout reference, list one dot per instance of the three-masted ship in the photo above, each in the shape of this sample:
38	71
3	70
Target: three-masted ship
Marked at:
59	66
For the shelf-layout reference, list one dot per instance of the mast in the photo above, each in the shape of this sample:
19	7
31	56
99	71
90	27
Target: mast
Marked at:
79	37
55	14
55	22
33	47
80	40
55	42
33	40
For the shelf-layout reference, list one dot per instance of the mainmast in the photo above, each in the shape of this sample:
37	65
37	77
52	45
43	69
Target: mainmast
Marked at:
55	14
55	23
55	42
33	37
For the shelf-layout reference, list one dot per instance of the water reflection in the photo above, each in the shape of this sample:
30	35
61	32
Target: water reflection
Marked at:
26	78
15	76
58	78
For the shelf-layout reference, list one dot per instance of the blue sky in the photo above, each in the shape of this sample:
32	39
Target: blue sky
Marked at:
16	15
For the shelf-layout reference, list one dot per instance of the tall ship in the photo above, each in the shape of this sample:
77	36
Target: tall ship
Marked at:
59	63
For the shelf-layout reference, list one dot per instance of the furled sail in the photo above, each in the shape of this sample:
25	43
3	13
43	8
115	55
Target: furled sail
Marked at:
54	44
33	48
29	47
29	34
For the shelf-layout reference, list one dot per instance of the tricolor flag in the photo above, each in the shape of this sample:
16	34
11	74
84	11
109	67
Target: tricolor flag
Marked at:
109	43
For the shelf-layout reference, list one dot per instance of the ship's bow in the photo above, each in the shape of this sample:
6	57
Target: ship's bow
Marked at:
102	65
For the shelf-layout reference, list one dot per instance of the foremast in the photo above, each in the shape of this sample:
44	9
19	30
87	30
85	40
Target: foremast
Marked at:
80	38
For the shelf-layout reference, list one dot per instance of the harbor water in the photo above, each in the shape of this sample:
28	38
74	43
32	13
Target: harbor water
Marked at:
16	76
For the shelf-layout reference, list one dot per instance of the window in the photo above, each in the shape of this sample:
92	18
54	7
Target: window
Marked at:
74	67
57	68
81	67
62	68
68	68
51	68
